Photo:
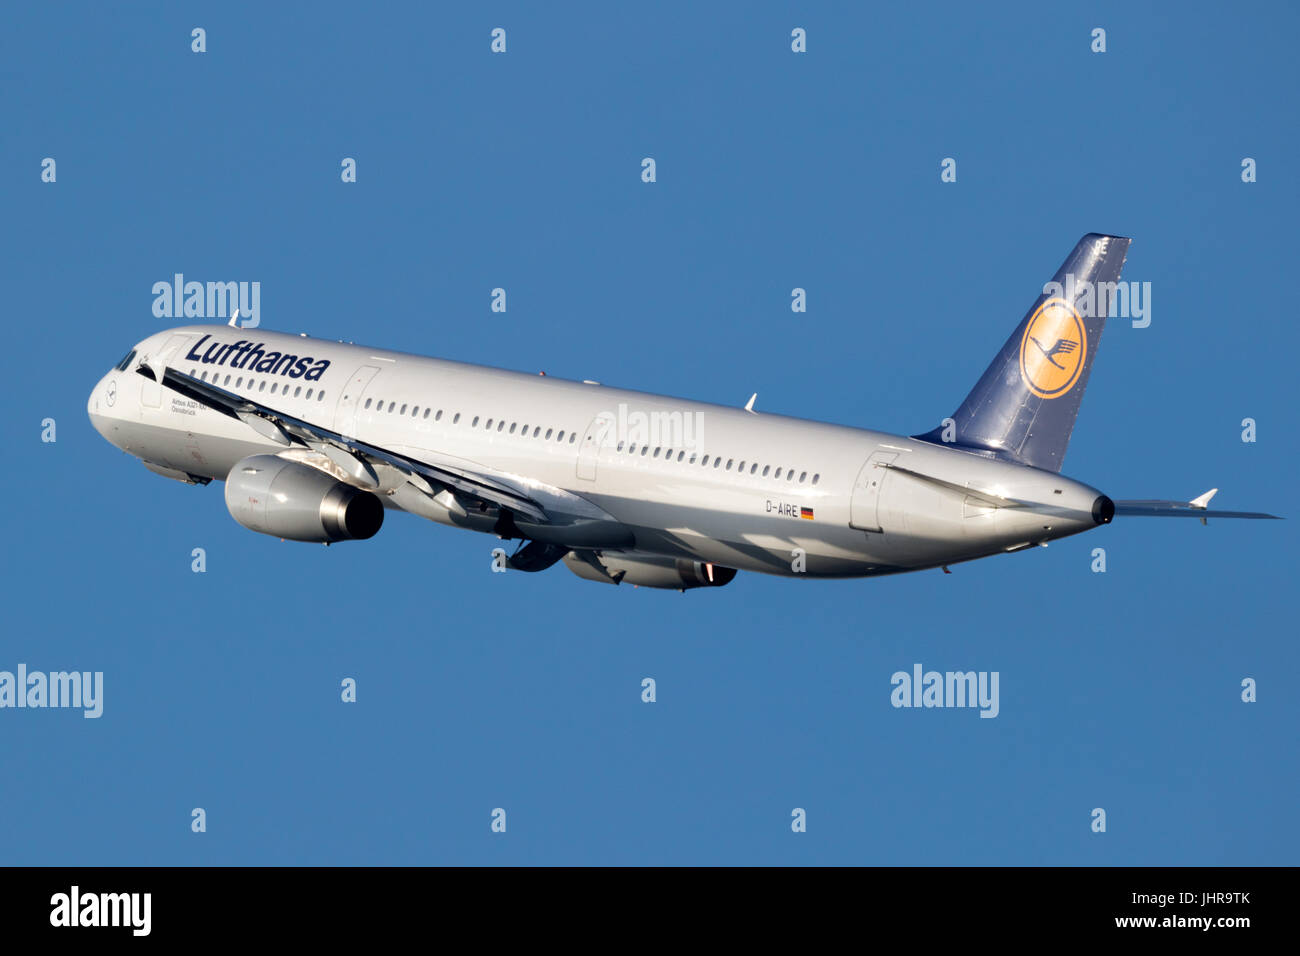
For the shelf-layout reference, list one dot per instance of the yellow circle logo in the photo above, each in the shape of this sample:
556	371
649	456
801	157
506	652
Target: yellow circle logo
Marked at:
1053	348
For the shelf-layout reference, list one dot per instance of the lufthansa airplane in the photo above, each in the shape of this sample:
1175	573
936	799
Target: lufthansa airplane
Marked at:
314	439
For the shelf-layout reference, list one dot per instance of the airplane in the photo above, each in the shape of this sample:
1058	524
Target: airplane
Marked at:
316	439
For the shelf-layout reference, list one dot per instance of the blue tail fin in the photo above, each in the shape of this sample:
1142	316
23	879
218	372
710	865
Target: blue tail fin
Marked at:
1024	406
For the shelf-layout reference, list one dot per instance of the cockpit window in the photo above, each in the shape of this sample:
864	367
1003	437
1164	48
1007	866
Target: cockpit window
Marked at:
123	365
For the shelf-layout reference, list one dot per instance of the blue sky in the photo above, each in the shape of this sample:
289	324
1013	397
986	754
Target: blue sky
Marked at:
775	170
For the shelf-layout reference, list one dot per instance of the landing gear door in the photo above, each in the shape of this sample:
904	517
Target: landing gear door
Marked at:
345	413
864	506
598	432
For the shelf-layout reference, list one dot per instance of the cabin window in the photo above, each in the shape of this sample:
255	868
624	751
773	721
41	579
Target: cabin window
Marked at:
474	423
537	431
816	478
717	462
548	434
620	446
501	424
658	450
704	462
512	428
681	455
803	476
456	420
766	469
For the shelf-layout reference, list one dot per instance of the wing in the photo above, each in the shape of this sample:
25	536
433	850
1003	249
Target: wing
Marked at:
357	458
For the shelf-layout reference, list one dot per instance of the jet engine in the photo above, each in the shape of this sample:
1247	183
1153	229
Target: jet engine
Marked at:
647	570
290	500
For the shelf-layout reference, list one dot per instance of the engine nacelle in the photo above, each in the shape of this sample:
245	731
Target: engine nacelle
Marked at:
287	499
650	571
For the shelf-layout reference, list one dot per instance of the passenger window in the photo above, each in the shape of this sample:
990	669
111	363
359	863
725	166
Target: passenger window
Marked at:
537	431
239	382
803	476
766	469
789	475
681	455
704	462
560	437
391	406
573	436
620	447
474	423
657	451
320	396
227	381
368	402
261	386
816	478
753	468
456	419
730	462
644	449
308	396
512	428
501	424
717	462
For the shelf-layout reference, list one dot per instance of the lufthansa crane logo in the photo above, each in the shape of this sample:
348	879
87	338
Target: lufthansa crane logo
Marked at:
1053	349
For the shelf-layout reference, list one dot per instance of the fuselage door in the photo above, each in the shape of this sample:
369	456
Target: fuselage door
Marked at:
598	432
173	354
345	413
864	506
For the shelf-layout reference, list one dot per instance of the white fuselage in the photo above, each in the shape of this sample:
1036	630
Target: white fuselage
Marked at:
666	476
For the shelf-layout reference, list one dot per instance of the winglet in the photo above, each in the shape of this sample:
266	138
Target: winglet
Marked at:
749	405
1203	502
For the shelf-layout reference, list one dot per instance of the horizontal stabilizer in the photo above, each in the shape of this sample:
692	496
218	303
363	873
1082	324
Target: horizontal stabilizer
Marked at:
1158	508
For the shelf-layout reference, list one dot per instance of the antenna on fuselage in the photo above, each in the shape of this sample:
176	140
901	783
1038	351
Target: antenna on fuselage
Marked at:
749	405
234	318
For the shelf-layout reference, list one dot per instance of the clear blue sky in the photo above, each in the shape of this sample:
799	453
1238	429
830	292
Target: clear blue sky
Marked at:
775	170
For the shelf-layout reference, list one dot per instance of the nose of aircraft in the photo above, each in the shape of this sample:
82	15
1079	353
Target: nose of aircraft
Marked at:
103	397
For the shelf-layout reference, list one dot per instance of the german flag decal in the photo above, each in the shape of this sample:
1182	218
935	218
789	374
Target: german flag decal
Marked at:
806	513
